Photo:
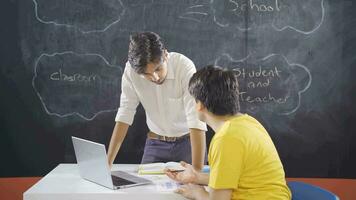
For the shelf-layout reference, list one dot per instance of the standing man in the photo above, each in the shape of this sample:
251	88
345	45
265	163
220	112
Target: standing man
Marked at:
159	79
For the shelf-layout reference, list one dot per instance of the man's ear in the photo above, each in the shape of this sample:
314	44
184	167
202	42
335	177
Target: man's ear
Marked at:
166	53
200	106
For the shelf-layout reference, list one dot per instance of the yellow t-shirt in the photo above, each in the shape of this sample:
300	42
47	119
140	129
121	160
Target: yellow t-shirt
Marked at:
242	157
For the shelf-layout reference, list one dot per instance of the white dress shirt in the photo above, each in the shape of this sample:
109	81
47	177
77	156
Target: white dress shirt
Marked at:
170	109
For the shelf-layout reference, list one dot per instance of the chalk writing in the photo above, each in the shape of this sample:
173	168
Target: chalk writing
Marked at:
262	99
67	88
253	5
60	76
261	84
268	83
245	15
275	72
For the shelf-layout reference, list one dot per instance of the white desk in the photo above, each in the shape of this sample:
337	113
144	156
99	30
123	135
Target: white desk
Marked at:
65	183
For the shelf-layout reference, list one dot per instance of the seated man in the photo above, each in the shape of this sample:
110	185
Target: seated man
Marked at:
244	163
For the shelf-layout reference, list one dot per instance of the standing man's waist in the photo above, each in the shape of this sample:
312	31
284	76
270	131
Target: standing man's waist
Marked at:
152	135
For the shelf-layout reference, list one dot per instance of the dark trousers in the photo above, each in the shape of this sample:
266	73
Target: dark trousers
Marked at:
162	151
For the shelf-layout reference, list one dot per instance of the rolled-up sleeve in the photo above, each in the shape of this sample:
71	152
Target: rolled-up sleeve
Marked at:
189	102
128	100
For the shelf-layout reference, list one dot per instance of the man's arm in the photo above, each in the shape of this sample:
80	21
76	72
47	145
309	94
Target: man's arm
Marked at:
198	192
202	179
117	137
193	181
124	117
222	194
198	144
189	175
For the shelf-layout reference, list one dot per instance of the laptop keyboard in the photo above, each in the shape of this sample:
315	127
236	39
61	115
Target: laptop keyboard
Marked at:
117	181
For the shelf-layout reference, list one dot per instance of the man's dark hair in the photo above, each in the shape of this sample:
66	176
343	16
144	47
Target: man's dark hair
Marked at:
145	47
217	89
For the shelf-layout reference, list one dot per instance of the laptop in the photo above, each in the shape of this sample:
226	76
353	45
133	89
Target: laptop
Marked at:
93	166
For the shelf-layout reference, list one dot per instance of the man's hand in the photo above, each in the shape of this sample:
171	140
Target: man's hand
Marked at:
189	175
192	191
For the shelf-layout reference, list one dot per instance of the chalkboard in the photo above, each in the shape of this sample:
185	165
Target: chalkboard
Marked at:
62	62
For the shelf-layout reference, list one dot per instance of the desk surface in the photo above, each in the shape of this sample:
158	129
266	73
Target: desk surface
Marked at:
64	182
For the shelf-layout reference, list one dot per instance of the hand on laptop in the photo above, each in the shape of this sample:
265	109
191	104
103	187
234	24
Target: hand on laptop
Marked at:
189	175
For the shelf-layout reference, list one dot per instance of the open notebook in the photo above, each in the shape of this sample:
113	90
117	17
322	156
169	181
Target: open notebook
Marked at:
158	168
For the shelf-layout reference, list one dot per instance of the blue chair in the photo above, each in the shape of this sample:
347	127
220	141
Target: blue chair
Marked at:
303	191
